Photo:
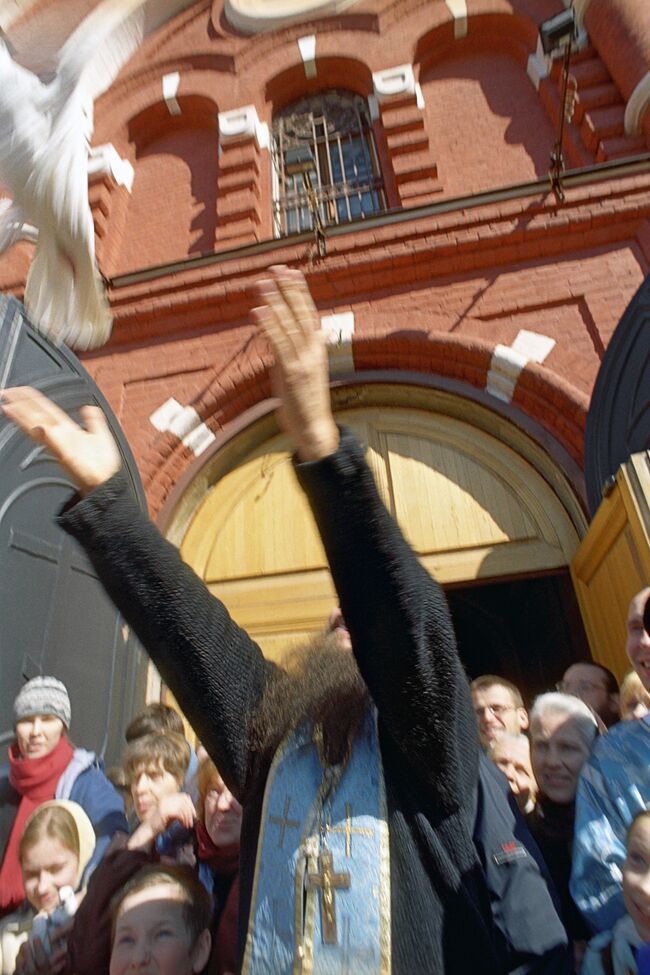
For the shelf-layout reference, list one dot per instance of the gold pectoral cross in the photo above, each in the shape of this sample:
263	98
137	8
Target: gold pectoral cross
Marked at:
328	881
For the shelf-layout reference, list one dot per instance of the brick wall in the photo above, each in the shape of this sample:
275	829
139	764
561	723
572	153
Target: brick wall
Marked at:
433	294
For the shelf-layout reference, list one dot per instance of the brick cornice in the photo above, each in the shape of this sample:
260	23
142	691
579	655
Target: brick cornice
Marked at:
215	295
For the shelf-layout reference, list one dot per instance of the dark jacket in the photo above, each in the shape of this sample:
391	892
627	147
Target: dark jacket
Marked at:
525	905
405	647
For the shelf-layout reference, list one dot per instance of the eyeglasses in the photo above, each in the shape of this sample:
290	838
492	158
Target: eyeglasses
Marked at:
496	710
577	687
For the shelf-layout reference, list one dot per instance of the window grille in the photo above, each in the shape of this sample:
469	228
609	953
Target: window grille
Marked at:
345	178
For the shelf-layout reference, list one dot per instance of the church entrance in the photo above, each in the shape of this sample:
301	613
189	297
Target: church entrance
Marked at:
528	630
488	512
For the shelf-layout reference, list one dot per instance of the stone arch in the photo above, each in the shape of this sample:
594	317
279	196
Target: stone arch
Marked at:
291	84
514	507
550	412
555	408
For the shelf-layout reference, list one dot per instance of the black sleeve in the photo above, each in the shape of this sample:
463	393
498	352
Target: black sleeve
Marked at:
399	623
213	668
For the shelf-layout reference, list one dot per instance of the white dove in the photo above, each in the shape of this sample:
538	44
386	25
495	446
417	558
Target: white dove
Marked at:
44	139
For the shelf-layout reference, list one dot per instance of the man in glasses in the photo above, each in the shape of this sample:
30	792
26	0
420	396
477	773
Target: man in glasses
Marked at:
596	686
499	707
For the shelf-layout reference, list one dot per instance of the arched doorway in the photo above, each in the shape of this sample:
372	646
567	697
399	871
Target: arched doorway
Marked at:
488	512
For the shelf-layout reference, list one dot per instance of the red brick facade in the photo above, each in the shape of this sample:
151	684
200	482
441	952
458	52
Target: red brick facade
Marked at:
434	287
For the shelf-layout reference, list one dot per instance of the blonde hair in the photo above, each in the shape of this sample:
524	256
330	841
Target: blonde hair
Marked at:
632	688
65	822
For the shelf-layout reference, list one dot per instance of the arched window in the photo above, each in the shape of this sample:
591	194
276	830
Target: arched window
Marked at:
324	156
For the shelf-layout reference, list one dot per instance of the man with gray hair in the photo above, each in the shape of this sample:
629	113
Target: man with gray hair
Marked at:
613	788
562	732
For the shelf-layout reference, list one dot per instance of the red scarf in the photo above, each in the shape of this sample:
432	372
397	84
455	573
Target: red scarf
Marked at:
223	860
35	780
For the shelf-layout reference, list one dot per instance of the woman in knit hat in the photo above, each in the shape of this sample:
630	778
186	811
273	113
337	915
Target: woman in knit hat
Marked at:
43	765
54	850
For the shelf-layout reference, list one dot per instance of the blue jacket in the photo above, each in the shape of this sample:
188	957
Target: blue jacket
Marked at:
614	786
84	782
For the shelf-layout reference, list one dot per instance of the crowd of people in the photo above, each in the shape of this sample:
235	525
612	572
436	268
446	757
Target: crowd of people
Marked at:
360	808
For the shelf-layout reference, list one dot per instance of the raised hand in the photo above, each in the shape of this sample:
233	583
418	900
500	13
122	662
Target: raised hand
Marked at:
290	321
175	808
87	453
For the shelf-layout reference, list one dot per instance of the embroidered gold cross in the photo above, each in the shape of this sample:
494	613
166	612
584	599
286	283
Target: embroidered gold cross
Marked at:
328	881
349	829
284	822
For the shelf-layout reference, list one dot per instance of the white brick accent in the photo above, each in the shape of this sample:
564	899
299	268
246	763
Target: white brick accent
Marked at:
338	328
538	66
185	423
105	159
458	10
307	48
533	345
240	123
509	360
170	85
394	82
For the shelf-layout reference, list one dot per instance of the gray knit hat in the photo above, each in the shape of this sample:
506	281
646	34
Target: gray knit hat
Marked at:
43	695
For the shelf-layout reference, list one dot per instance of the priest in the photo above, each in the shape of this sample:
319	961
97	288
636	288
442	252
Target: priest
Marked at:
358	771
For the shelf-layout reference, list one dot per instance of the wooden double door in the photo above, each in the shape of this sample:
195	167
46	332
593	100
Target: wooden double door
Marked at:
486	511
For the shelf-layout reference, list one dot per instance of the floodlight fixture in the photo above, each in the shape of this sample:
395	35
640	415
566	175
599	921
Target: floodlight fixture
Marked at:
558	31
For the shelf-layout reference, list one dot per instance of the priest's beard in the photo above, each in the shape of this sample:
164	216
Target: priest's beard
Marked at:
317	682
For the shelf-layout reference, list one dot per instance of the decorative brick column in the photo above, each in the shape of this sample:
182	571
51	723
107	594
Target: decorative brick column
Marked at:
110	180
400	102
243	150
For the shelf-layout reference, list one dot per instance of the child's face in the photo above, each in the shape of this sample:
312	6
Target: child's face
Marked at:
636	878
47	866
151	936
148	786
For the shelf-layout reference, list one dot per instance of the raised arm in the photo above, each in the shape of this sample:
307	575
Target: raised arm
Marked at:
396	613
215	671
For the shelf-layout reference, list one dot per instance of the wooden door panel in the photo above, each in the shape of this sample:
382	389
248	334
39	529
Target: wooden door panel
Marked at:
613	562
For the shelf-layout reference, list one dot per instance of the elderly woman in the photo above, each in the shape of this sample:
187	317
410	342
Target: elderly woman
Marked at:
43	765
562	731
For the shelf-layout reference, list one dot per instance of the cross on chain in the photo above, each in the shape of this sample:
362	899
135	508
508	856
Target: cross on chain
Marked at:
328	881
349	829
284	822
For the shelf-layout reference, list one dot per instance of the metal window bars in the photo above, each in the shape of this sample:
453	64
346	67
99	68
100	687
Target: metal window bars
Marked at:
346	178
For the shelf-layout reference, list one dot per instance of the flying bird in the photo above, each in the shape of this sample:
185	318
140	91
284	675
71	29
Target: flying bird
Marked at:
45	131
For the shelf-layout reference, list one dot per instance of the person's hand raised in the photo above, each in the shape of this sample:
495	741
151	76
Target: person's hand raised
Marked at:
288	317
175	808
87	453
